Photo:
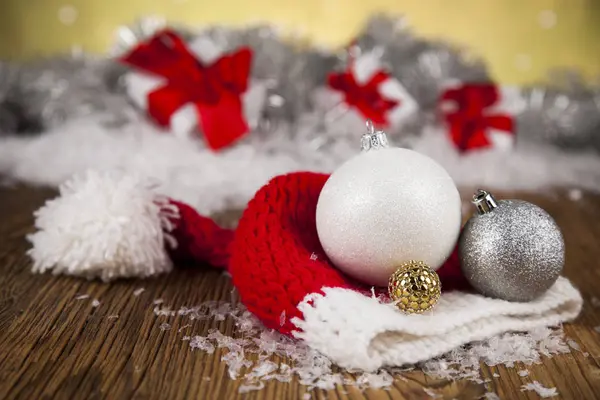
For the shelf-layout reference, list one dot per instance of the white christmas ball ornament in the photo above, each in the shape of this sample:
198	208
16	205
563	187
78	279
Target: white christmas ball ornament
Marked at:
385	207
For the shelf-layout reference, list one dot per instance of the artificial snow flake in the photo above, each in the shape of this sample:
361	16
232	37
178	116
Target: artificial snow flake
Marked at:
491	396
432	393
541	390
138	291
158	311
574	345
201	343
248	388
165	327
82	297
575	194
95	303
282	318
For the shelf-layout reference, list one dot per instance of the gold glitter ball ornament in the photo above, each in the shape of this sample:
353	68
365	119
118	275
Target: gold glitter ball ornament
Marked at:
415	287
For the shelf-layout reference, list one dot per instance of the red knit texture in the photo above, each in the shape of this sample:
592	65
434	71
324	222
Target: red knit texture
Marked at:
199	238
275	257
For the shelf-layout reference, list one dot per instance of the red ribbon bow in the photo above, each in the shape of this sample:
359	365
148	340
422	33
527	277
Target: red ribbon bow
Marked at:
366	98
471	119
215	90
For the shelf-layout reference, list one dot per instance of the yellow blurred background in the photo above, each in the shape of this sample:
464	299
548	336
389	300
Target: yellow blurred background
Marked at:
521	40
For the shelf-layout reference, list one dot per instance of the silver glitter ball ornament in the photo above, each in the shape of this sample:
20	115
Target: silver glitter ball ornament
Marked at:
510	249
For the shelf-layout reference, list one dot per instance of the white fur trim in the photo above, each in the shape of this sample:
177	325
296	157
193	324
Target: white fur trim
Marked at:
359	332
105	225
214	181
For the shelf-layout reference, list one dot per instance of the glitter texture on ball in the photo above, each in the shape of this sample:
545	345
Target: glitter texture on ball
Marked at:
511	249
385	207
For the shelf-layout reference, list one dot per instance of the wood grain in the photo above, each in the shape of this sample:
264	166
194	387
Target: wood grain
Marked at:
54	346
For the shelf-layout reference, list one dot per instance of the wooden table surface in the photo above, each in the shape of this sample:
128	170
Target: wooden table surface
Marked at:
54	346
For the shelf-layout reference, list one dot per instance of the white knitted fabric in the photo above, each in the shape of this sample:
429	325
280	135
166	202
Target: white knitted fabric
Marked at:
359	332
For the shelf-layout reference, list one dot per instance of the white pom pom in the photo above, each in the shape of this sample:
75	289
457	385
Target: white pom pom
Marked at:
103	225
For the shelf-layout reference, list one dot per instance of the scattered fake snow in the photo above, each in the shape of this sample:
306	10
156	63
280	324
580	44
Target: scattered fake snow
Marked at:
255	354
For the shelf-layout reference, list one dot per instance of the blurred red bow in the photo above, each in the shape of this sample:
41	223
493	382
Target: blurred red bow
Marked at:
367	97
470	120
215	90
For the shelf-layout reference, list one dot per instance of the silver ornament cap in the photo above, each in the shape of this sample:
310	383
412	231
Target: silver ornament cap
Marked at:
484	201
510	249
373	140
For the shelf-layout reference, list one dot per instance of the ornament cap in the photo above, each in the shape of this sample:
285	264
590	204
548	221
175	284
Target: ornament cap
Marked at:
373	140
484	201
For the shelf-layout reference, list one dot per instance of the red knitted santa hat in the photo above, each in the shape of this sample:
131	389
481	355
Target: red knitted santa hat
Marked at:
276	259
109	226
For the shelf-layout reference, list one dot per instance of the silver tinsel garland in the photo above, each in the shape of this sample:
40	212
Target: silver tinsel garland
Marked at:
44	94
423	66
35	97
565	114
